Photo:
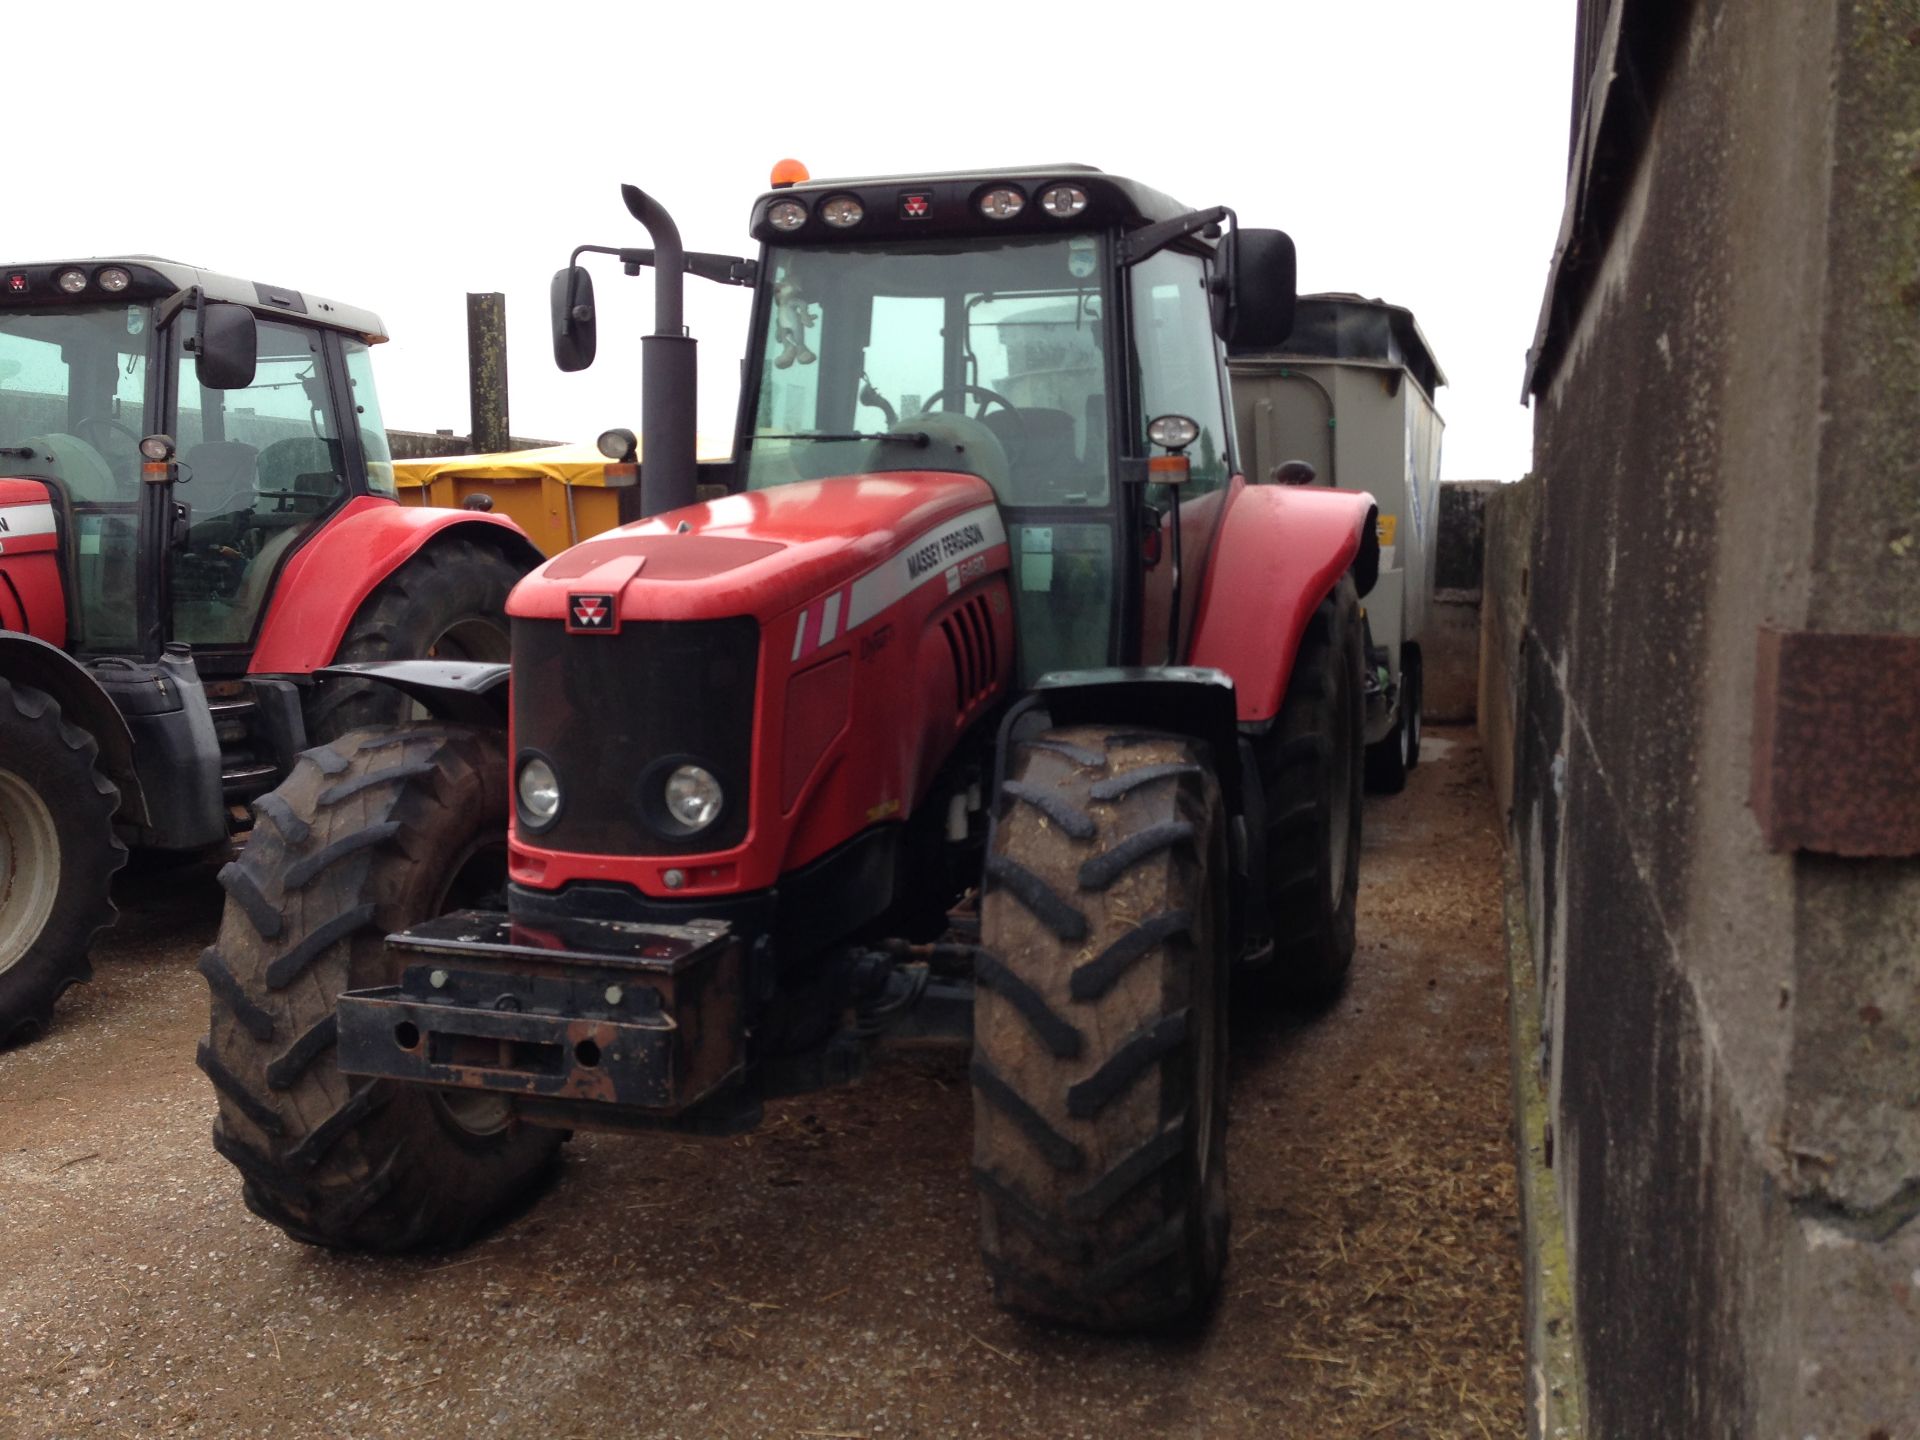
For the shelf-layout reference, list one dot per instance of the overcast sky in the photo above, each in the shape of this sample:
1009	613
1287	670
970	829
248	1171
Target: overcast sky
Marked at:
397	156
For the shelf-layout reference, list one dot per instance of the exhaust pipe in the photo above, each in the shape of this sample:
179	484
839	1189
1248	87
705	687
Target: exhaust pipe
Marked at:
669	474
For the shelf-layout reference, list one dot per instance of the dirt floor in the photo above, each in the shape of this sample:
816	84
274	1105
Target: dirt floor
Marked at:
815	1279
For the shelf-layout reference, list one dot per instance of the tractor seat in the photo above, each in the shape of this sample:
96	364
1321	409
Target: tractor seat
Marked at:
304	475
1041	460
220	477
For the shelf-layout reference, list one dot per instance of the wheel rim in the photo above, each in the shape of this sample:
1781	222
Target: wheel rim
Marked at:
1413	744
1341	819
472	638
29	868
477	1112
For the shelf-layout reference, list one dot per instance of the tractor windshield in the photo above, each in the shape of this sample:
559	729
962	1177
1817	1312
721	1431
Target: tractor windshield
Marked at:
986	358
73	392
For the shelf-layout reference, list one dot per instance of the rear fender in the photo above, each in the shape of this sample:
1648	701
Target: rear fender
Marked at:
327	580
1280	552
27	661
469	693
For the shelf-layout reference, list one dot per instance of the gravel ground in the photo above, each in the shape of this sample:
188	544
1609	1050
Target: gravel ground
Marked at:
814	1279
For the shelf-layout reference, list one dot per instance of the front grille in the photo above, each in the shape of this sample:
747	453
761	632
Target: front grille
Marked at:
614	714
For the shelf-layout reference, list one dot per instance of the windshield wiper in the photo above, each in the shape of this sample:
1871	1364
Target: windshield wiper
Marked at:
919	439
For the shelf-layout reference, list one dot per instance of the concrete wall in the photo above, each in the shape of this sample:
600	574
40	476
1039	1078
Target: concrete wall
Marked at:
1450	649
1726	408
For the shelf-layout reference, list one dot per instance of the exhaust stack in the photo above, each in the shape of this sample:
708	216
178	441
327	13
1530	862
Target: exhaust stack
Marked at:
669	474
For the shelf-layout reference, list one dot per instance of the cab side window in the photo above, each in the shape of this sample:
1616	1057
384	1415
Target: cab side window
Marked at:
261	467
1179	360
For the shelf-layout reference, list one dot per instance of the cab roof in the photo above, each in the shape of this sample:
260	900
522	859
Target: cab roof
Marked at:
951	204
154	278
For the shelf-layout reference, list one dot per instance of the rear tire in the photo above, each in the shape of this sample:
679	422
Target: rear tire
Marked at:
1310	763
1099	1070
447	602
58	855
375	832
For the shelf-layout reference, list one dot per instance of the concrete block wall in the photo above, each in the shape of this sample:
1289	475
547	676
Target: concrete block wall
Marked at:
1727	403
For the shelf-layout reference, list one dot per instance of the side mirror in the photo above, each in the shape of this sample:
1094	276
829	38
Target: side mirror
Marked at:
226	346
1259	313
574	327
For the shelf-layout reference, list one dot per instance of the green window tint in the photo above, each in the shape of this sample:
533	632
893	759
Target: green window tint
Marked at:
1063	595
73	390
261	467
1180	360
366	415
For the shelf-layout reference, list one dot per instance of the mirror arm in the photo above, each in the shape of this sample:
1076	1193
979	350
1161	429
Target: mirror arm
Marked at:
721	269
1152	239
174	304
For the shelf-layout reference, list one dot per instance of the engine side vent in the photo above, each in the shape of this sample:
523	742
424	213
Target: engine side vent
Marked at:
976	660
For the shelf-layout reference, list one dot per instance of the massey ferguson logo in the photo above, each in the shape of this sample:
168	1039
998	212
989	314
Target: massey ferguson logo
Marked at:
591	612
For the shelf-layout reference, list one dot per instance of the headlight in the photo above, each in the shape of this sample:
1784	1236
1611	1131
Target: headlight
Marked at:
71	281
113	279
842	212
693	797
1002	204
787	215
1063	202
539	790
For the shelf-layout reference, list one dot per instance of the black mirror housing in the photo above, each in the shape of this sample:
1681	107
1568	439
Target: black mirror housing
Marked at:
226	347
575	333
1260	310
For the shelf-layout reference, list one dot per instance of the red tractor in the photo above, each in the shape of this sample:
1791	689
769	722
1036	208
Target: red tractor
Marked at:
196	514
993	703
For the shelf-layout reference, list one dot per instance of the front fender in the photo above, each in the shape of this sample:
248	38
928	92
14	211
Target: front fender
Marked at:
469	692
1281	550
27	661
323	586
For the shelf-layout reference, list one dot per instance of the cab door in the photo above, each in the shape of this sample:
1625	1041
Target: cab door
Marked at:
1180	371
260	469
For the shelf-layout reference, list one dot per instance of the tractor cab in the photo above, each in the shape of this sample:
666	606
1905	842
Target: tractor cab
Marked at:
273	424
1024	327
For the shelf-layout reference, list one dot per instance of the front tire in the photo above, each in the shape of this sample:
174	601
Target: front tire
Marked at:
58	855
371	834
1099	1070
447	602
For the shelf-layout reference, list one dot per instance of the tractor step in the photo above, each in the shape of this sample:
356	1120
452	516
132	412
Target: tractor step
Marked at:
594	1013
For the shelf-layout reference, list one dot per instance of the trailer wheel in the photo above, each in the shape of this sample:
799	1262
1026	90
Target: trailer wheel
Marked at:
58	855
375	832
1392	759
1417	688
1099	1069
447	602
1310	763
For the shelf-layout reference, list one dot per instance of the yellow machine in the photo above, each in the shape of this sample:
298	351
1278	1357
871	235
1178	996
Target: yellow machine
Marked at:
559	494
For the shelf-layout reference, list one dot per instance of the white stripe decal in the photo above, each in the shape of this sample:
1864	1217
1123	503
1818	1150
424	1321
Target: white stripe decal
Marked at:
19	521
829	622
924	561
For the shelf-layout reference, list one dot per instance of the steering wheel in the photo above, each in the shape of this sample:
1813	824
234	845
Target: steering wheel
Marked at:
89	422
987	397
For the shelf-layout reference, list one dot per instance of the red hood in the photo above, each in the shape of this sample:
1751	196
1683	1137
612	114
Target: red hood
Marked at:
759	553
